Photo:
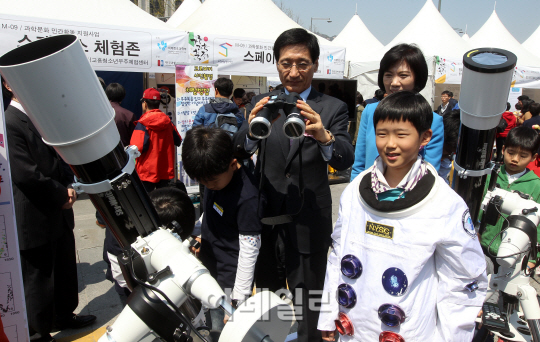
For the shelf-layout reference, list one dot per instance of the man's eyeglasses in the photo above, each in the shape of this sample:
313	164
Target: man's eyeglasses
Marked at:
299	66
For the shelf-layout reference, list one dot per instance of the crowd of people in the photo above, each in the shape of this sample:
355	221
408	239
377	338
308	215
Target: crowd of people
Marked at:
402	240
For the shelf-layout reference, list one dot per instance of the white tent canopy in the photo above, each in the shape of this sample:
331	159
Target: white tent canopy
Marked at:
358	40
465	37
431	33
106	12
494	34
236	18
183	12
532	44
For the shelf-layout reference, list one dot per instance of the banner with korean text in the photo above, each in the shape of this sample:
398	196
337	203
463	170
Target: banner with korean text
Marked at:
108	48
194	88
255	57
449	71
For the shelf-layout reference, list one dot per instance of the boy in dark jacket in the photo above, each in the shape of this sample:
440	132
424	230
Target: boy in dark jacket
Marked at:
519	150
220	105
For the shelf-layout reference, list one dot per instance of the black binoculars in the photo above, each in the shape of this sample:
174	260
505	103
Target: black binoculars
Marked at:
294	126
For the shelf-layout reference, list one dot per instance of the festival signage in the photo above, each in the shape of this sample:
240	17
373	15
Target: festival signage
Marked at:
449	71
12	305
194	88
108	47
252	56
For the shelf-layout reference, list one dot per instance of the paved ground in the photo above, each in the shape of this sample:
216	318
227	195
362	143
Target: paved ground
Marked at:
96	294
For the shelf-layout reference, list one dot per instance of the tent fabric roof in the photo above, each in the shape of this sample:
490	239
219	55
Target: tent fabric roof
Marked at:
105	12
236	18
532	44
465	37
183	12
431	33
358	40
494	34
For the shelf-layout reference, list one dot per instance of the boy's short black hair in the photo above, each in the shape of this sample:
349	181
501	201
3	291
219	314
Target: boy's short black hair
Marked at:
413	56
206	152
524	138
297	36
446	92
152	104
534	109
238	93
173	204
405	106
379	94
508	106
224	86
115	92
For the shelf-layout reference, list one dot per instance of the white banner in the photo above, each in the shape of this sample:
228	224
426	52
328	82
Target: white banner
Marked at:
254	57
194	88
12	305
108	48
449	71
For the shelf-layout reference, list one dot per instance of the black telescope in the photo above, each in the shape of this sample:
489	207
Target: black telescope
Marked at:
485	84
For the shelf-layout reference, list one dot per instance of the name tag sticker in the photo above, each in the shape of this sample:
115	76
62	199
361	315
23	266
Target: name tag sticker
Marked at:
218	209
380	230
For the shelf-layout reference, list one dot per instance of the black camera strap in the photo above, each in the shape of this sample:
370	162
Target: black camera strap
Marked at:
286	218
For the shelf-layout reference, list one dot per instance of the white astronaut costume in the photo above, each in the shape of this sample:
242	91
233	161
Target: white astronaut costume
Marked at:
432	242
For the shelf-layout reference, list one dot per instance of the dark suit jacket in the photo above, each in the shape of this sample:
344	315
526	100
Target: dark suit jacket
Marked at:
312	229
40	179
124	120
448	109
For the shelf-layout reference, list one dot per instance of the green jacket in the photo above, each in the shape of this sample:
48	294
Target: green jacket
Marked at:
529	183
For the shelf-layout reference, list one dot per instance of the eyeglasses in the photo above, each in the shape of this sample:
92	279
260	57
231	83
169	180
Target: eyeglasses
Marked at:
299	66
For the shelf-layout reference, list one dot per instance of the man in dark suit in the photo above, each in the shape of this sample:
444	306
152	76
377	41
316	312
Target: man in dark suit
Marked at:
300	246
43	201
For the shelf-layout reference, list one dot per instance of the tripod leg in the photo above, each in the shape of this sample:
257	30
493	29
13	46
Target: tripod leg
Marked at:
531	309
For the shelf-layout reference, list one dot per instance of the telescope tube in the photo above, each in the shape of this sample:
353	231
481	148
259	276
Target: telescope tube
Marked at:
61	94
485	84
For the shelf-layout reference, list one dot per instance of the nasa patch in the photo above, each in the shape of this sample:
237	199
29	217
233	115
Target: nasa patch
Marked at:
468	225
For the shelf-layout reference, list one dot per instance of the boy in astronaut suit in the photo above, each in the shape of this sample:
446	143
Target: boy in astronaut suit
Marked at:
406	264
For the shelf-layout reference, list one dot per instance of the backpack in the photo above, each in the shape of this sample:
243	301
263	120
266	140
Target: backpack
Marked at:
226	122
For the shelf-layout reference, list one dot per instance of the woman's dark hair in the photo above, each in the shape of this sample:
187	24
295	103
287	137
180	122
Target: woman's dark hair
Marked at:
174	205
152	104
451	122
405	106
297	36
524	138
250	95
224	86
534	109
526	105
115	92
359	98
414	58
206	152
238	92
523	97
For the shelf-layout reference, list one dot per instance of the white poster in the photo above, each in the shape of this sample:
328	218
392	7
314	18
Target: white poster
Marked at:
254	57
108	48
194	88
12	305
